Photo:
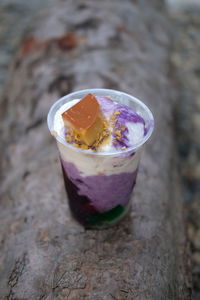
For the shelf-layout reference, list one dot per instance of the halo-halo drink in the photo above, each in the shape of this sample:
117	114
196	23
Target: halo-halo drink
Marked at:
99	182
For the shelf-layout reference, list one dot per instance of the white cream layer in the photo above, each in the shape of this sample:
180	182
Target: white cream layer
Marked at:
93	164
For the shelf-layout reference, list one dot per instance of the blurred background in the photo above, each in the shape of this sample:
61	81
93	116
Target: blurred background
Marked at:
185	71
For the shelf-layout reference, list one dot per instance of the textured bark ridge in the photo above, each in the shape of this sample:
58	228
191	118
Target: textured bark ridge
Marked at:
44	254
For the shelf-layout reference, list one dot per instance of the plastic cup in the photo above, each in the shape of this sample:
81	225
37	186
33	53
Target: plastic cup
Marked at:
99	185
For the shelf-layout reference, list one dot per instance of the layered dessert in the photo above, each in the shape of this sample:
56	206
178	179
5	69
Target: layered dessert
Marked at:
96	142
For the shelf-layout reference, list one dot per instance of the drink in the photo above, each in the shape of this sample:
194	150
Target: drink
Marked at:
100	174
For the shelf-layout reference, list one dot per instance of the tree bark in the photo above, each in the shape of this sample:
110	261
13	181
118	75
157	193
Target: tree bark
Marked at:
75	45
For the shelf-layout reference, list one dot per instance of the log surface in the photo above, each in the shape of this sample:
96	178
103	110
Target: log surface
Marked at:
75	45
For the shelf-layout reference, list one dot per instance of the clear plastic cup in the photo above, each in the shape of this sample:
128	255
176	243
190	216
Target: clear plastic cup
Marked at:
99	185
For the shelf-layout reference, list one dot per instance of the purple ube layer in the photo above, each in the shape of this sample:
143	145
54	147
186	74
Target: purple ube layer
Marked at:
104	191
127	115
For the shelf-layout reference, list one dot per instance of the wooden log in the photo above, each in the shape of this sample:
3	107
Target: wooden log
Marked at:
74	45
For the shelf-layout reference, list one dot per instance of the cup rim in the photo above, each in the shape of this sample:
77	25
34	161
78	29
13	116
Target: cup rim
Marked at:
96	90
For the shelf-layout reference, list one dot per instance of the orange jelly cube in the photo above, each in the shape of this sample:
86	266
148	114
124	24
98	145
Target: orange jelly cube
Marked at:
85	119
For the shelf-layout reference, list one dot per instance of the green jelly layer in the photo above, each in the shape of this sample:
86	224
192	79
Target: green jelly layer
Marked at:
107	216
